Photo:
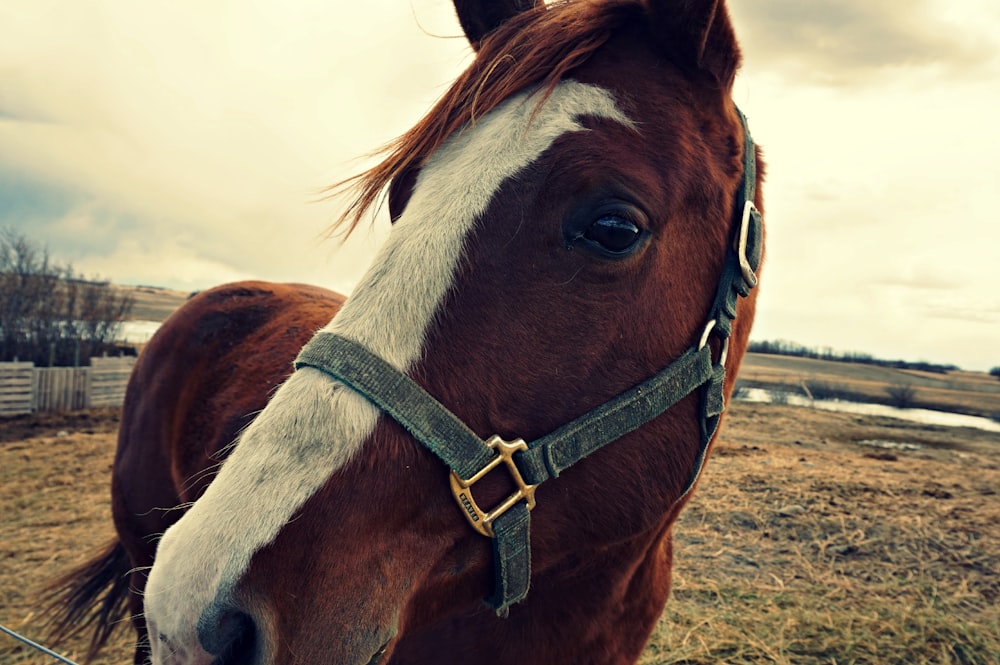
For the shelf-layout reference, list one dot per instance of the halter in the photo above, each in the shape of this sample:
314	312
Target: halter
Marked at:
530	464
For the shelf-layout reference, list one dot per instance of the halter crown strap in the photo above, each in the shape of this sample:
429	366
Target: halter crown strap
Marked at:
739	272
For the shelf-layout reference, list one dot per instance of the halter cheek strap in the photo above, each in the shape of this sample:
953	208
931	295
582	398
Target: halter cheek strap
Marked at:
470	457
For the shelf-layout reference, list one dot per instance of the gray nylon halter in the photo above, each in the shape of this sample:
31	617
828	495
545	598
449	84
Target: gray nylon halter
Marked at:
469	456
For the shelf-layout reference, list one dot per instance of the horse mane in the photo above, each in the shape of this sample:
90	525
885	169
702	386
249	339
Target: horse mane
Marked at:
535	47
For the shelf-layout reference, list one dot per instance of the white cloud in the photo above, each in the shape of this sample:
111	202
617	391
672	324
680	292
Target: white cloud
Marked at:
213	121
860	42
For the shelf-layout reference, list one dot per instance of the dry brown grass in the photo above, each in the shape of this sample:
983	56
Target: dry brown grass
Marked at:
800	546
803	547
55	473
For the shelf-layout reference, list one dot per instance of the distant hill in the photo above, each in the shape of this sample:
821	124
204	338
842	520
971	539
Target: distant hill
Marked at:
153	303
972	393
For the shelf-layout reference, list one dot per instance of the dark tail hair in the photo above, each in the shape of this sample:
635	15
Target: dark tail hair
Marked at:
92	596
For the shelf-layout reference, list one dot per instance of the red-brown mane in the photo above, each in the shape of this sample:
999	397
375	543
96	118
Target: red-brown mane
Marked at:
536	47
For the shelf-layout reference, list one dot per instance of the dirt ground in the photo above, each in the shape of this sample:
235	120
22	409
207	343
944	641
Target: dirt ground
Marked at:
814	537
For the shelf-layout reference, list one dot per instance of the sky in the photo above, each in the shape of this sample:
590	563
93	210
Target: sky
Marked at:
184	144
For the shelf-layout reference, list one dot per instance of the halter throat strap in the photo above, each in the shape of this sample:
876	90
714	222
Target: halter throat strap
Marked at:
470	457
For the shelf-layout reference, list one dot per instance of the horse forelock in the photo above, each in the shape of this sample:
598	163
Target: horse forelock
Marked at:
534	49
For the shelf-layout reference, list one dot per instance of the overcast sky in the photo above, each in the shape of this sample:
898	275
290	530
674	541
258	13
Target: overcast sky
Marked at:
181	144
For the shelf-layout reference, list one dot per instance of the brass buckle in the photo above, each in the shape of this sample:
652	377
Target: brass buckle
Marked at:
482	521
741	246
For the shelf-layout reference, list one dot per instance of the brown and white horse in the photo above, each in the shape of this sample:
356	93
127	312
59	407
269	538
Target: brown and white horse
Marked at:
561	221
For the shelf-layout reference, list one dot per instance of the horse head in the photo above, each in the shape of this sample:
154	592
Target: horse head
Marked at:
561	218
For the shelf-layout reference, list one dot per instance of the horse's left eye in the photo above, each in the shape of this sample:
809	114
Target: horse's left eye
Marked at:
614	234
612	229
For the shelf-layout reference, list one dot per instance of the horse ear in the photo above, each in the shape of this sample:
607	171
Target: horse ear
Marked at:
698	34
481	17
400	191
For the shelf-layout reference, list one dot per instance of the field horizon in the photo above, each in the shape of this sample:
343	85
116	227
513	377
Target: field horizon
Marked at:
153	303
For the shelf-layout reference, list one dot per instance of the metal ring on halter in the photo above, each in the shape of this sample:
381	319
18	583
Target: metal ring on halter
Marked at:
707	334
741	245
724	354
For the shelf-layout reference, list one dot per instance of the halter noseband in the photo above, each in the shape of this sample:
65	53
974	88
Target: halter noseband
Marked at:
529	464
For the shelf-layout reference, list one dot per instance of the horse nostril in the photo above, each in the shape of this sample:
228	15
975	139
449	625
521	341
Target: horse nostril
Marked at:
229	634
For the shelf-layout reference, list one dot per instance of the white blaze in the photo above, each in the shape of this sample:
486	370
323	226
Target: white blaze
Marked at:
313	425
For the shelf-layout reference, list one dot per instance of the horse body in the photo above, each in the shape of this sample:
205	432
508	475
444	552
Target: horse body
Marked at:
195	388
554	245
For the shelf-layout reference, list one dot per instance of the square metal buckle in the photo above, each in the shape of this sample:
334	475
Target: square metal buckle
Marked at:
461	489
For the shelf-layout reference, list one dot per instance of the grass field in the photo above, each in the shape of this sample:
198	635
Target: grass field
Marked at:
804	546
152	303
801	545
972	393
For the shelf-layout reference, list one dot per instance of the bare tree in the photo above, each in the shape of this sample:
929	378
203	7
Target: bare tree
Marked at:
902	394
48	313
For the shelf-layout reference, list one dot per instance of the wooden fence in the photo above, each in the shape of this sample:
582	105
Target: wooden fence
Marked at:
61	388
17	388
25	388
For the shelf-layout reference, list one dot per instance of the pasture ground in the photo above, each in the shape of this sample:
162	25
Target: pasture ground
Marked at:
801	545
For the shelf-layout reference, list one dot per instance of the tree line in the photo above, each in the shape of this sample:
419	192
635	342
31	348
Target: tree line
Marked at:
785	348
49	314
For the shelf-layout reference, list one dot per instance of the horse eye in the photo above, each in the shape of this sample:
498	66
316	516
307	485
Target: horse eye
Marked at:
614	234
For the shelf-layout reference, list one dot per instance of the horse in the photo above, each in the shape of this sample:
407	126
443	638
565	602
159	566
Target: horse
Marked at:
551	330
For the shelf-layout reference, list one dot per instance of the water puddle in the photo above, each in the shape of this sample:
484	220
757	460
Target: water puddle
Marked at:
889	445
923	416
138	332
